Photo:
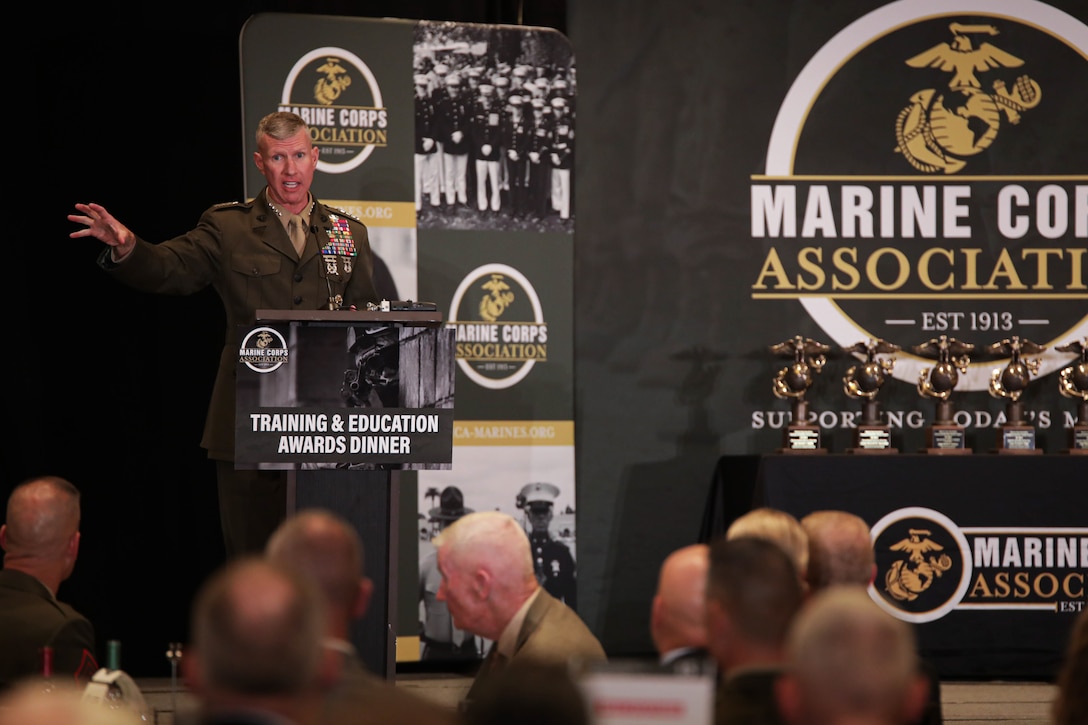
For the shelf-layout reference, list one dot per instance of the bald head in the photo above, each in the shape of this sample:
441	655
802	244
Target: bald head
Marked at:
678	617
320	544
258	630
848	658
42	513
840	549
41	533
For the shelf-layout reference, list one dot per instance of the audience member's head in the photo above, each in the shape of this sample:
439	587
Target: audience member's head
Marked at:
530	693
41	533
487	571
778	526
840	549
257	632
678	612
27	703
320	544
850	661
1071	704
752	595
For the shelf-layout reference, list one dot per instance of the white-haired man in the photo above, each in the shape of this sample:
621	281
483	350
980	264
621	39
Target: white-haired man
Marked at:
491	590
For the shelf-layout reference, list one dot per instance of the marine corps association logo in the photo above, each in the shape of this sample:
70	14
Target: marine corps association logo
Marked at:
501	332
918	182
928	566
938	129
263	350
923	564
338	95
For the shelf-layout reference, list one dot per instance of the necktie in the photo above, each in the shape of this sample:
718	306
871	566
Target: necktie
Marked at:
296	229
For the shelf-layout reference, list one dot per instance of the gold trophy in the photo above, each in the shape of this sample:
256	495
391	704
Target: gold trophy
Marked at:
1017	435
864	381
944	437
1073	383
792	382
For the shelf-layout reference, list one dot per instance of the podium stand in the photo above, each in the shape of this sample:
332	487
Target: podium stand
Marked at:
345	401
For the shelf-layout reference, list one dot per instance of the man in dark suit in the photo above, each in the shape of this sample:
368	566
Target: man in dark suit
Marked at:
678	613
257	654
753	593
40	538
491	589
850	662
841	551
320	544
246	252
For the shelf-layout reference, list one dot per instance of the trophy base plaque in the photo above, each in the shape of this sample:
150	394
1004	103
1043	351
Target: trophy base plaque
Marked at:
1078	441
802	439
872	439
946	440
1017	440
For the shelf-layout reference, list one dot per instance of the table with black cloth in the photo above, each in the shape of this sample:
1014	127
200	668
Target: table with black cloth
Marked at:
986	553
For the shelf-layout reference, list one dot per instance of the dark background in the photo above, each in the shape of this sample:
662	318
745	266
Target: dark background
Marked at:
139	110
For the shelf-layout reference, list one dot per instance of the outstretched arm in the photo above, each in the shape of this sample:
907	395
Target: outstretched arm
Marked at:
101	225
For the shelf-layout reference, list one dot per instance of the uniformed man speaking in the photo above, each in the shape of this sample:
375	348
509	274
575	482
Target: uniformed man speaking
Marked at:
552	559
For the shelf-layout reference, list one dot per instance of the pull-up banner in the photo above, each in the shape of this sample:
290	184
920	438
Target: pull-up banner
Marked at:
454	144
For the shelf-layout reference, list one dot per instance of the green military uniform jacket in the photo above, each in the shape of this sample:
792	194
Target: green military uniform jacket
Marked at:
242	250
32	618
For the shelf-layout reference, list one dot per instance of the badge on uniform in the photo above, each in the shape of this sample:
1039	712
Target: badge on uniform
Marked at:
340	243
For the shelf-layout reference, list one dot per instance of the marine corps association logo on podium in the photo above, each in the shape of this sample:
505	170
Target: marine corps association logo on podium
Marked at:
339	96
891	221
928	566
501	331
263	350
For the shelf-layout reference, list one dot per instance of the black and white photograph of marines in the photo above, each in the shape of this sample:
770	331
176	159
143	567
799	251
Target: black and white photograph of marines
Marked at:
495	109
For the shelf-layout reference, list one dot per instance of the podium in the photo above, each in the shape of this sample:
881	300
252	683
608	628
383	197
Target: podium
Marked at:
345	401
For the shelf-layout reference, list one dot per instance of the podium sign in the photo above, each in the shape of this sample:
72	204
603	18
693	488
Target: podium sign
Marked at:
345	401
352	390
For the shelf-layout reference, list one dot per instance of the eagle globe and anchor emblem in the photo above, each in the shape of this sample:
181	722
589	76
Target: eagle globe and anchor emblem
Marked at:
936	131
499	297
907	578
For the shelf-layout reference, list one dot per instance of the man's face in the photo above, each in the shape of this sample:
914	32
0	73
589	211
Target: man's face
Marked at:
455	592
288	166
540	516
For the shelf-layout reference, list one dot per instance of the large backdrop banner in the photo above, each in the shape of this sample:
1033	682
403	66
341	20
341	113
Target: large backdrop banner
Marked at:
454	144
905	180
846	172
950	224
